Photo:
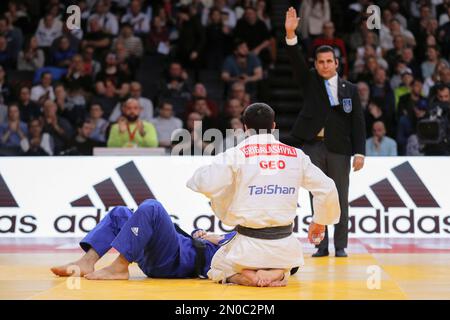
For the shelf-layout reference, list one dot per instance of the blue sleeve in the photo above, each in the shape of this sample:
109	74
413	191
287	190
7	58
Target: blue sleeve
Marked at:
227	238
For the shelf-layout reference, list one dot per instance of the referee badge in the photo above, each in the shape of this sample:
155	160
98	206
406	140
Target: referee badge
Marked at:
347	105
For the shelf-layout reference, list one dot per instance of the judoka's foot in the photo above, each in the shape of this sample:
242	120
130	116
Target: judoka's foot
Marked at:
79	268
118	270
251	276
281	283
265	277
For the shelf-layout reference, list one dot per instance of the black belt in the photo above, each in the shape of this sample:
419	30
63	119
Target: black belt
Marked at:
271	233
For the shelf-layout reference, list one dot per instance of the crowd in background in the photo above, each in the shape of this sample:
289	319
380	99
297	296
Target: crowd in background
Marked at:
82	89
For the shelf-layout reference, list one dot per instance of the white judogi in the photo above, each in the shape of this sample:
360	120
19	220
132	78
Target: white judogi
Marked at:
256	185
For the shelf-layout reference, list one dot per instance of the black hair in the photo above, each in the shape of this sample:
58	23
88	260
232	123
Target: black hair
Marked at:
323	49
259	116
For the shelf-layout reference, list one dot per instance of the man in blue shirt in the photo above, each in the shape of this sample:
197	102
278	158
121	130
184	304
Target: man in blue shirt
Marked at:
12	131
148	237
379	144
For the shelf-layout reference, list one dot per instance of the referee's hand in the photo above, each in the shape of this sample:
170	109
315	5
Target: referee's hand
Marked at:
316	233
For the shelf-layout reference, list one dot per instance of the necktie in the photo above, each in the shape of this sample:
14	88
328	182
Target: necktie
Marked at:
330	95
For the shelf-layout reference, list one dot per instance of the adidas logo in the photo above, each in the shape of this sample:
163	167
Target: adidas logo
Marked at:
135	231
389	197
109	194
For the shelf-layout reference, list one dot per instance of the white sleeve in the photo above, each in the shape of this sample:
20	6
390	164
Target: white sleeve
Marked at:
325	196
211	179
291	42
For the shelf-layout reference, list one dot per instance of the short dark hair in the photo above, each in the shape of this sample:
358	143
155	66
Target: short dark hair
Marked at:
323	49
259	116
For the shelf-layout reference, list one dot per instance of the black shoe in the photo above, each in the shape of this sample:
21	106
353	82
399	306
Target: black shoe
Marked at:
321	253
340	253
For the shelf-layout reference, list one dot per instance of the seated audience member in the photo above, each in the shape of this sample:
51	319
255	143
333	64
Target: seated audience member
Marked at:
145	103
114	73
166	123
175	89
57	127
100	125
31	57
82	144
408	101
233	110
28	109
97	39
37	143
62	55
242	66
234	134
200	92
48	30
238	92
407	124
5	89
107	96
12	132
194	145
132	44
158	38
379	144
130	131
43	91
91	66
138	20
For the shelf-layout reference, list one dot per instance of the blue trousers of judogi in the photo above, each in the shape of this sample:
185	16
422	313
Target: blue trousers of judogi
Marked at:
147	237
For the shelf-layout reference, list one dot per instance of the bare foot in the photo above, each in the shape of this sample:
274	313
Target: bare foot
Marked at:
108	273
78	268
281	283
118	270
251	276
265	277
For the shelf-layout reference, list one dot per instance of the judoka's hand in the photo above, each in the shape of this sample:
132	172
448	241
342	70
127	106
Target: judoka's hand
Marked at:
199	234
316	233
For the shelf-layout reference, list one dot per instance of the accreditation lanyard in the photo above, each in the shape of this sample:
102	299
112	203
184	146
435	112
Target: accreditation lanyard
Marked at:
131	135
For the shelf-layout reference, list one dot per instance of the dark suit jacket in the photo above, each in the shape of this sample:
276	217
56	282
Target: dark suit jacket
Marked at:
345	131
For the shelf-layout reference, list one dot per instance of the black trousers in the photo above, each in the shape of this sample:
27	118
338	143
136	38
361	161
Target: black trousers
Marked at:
337	167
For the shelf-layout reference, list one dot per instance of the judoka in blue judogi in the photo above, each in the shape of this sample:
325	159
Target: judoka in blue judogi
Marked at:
148	237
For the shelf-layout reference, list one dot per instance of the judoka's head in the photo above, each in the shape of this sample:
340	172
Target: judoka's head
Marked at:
259	116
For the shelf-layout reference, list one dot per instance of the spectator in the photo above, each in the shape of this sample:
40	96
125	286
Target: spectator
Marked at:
407	124
5	90
12	132
3	113
44	90
242	66
394	7
145	103
234	136
28	109
137	19
107	97
158	39
364	94
67	108
73	35
373	113
396	76
409	59
166	123
191	40
404	86
255	34
200	92
434	78
133	45
328	38
395	28
106	20
48	30
238	92
381	90
379	144
201	107
408	101
77	81
100	125
194	145
96	38
229	17
91	66
63	54
13	36
394	54
130	131
429	65
36	143
6	59
82	144
314	14
175	89
218	37
233	109
57	127
31	57
113	73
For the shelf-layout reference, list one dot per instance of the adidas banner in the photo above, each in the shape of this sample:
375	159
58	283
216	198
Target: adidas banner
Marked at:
67	196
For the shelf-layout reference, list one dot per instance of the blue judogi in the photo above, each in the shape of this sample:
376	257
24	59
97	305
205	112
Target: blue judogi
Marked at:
149	238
